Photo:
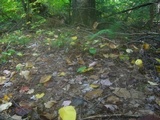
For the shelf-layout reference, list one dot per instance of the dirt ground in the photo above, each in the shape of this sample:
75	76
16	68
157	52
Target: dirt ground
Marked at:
111	87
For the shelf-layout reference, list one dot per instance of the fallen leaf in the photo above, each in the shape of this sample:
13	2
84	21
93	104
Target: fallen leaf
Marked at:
29	65
5	106
7	84
77	102
152	83
25	74
45	78
22	110
106	82
30	91
139	62
66	103
113	56
129	50
111	107
38	96
49	116
68	61
24	89
94	86
19	66
49	104
81	69
112	46
74	38
93	94
136	94
93	51
124	57
7	97
16	117
157	101
86	88
113	99
19	54
145	46
94	77
106	55
122	92
2	80
7	72
62	74
67	113
92	64
158	60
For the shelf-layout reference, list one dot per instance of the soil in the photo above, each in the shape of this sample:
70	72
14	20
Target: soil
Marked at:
114	88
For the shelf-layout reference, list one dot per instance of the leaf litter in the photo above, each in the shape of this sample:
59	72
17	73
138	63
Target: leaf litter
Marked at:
104	81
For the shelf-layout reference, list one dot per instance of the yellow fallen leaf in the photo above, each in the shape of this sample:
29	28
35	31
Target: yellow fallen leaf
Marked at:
45	78
145	46
7	97
139	63
62	74
67	113
2	80
158	60
94	85
158	68
74	38
38	96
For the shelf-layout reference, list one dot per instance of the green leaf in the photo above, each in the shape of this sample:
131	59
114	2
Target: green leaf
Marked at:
92	51
124	57
81	69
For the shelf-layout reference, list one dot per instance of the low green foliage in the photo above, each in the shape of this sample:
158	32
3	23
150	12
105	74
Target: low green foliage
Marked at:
92	51
15	38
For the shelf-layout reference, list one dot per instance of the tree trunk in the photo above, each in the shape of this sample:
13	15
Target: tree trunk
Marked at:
83	12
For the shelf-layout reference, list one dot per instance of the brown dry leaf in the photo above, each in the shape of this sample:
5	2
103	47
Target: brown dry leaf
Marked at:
25	74
158	101
29	65
93	94
80	60
113	99
45	78
68	61
49	104
2	80
95	24
112	46
62	74
49	116
113	56
106	55
136	94
94	77
122	92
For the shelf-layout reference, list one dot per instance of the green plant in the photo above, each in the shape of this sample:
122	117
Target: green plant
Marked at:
15	38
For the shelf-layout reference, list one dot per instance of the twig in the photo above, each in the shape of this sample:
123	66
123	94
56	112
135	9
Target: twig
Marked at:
111	116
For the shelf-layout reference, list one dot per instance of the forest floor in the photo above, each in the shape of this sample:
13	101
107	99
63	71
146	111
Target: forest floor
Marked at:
103	78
